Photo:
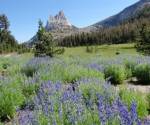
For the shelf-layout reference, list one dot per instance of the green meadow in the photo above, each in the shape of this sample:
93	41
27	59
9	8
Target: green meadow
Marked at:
102	51
28	84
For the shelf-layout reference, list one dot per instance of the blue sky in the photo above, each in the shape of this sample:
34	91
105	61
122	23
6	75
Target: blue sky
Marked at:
24	14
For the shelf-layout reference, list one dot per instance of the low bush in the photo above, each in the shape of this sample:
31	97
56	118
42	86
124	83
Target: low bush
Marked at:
5	65
29	90
117	53
11	98
91	49
29	70
130	68
142	73
115	73
29	86
148	99
128	96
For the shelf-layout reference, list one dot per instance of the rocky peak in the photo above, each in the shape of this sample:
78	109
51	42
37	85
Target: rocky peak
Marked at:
61	15
58	22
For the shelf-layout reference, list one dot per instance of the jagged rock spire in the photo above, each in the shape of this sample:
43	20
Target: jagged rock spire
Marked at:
59	21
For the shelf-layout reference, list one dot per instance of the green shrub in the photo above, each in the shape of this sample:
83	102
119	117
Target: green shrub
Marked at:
130	68
148	99
142	73
116	73
117	53
29	71
29	90
11	98
5	65
91	49
128	97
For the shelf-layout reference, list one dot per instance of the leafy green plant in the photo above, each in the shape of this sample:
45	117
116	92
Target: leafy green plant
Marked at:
130	68
11	98
5	65
115	73
29	70
142	73
148	99
29	90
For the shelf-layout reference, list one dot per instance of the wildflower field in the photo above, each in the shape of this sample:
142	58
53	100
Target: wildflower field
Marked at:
72	90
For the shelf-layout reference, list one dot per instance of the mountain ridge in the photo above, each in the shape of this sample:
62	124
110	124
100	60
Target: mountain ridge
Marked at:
125	14
60	27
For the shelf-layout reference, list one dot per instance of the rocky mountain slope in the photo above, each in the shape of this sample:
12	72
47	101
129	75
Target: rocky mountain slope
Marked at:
60	27
127	13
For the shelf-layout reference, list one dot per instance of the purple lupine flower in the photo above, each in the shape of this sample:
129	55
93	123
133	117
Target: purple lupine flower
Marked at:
109	112
101	110
72	119
146	122
26	117
139	122
46	109
71	104
65	96
58	86
60	111
124	114
75	98
51	107
133	112
96	67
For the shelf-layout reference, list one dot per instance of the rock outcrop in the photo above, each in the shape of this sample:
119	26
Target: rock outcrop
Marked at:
58	22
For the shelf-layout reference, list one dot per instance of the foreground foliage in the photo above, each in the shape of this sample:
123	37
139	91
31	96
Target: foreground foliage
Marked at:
71	90
55	105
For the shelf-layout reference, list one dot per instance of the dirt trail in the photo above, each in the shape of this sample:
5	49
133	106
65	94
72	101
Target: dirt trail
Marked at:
140	88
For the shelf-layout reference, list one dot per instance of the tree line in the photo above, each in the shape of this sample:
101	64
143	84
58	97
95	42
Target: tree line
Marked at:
8	43
136	29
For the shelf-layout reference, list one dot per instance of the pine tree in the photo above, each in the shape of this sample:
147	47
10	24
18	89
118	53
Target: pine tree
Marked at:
143	39
46	45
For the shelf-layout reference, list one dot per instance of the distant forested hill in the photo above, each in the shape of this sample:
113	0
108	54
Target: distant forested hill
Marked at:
126	31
